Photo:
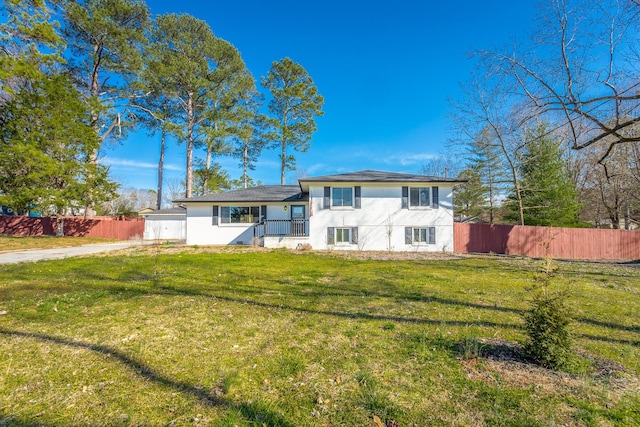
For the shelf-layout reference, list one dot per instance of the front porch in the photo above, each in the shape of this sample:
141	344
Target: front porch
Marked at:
281	233
281	228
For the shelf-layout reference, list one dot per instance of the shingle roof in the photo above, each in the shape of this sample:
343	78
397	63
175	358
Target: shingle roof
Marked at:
262	193
290	193
377	176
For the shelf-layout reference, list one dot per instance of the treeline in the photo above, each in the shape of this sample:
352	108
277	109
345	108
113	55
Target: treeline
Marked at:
548	129
77	73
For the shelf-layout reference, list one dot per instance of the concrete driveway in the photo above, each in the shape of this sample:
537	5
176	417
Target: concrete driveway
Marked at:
31	255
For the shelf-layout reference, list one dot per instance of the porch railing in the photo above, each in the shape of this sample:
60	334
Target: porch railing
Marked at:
282	227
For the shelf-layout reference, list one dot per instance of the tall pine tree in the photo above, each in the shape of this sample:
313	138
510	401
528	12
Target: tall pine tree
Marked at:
295	103
29	43
486	160
105	38
195	68
248	134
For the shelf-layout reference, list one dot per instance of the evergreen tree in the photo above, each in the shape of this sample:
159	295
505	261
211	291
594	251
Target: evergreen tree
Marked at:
212	179
45	139
196	69
469	199
294	105
486	160
29	43
105	38
227	110
248	138
158	110
549	196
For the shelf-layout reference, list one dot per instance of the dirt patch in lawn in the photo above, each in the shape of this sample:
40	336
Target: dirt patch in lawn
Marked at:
359	255
502	361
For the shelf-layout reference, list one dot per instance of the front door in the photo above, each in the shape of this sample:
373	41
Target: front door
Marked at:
297	220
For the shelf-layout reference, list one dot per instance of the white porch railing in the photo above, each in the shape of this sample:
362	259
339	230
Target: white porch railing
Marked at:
282	227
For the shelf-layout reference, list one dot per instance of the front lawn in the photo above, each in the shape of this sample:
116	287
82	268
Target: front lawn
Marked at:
276	338
20	243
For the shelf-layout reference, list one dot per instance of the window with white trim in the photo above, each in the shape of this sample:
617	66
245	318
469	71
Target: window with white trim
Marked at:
342	197
343	235
420	235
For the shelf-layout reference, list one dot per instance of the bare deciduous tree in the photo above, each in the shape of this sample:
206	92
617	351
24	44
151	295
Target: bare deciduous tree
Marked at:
443	166
487	111
175	189
611	190
580	71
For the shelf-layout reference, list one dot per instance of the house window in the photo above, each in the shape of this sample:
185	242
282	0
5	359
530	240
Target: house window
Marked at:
343	235
297	211
342	196
420	235
419	197
239	214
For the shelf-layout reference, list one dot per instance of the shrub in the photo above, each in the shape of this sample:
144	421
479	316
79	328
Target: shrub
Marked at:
546	324
547	321
470	348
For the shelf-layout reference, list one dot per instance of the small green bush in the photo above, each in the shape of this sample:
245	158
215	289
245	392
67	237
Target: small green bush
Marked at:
547	327
470	348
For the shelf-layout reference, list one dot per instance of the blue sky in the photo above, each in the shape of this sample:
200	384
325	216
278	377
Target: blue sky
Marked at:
385	69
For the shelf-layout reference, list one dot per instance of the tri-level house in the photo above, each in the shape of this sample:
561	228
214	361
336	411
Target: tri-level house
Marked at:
366	210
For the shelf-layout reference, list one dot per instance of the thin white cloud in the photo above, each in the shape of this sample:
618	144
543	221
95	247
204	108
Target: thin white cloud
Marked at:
315	168
112	161
397	159
408	159
270	164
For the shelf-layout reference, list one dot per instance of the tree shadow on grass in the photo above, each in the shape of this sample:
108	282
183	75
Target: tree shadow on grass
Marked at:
130	282
383	289
171	290
342	314
249	411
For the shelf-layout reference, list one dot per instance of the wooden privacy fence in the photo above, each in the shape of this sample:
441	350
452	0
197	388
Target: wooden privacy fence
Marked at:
107	227
565	243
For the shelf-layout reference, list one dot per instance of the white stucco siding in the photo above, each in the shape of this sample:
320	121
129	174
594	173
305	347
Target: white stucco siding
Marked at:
278	211
201	229
381	220
274	242
166	227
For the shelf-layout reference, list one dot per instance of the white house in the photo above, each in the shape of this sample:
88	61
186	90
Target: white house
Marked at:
366	210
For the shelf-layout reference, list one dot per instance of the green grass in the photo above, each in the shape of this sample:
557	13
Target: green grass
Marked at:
277	338
20	243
